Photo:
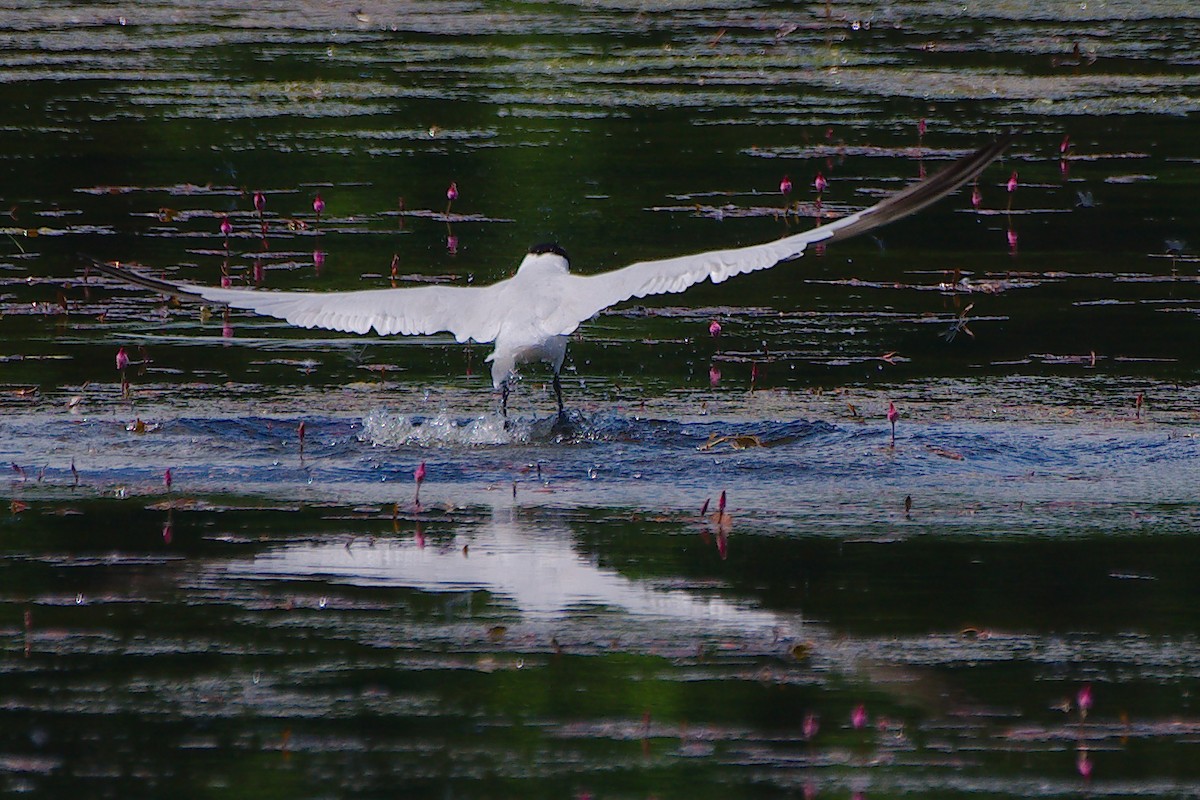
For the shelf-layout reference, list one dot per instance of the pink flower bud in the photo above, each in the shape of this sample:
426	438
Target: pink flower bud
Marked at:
1083	698
810	726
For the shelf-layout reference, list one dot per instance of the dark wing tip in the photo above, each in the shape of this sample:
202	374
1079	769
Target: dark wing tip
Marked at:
919	195
113	269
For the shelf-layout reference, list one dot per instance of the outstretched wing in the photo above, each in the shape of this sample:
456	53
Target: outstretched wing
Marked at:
591	294
468	312
477	312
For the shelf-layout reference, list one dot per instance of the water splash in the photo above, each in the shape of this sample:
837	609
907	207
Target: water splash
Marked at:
390	429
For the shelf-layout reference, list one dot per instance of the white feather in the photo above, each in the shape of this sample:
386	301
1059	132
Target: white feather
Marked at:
468	312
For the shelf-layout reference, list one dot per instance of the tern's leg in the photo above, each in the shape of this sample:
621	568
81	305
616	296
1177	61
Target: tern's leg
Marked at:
504	398
558	393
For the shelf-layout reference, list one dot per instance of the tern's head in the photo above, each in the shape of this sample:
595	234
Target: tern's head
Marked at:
547	256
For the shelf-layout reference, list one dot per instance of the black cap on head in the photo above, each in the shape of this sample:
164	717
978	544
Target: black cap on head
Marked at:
549	247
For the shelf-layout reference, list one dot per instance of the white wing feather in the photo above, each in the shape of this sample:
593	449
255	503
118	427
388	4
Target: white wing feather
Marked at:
468	312
590	294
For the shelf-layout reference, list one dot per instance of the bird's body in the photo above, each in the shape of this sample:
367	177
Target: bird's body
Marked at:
529	316
541	284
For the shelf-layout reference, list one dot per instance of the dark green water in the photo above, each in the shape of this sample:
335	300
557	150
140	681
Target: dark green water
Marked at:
556	618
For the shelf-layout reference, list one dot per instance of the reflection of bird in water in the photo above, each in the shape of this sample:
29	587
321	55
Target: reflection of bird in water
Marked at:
531	572
529	315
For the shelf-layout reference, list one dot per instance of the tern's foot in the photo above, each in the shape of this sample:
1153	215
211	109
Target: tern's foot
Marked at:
563	424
